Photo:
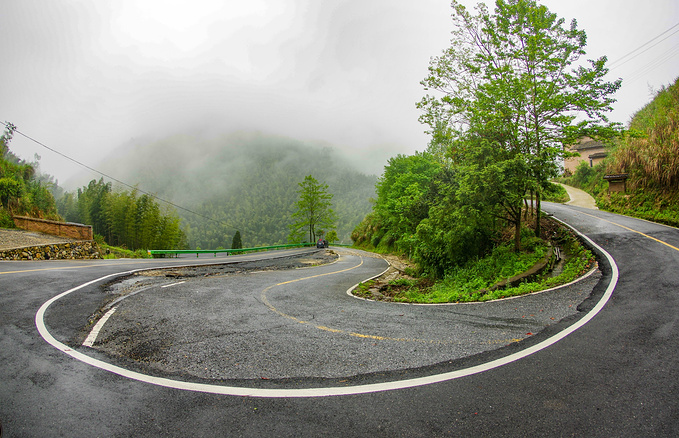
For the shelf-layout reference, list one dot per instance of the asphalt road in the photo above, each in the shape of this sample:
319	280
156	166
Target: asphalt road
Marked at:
614	374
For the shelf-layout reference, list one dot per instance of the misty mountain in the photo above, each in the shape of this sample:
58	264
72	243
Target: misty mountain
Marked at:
244	182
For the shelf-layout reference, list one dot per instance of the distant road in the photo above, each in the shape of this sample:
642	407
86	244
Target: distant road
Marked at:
614	376
579	198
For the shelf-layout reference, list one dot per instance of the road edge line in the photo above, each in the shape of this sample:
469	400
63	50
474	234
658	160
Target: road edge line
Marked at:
330	391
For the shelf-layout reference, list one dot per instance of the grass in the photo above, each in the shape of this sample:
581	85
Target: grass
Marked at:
475	281
556	193
112	252
646	204
649	154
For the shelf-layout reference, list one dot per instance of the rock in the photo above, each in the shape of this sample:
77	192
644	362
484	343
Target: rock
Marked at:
71	251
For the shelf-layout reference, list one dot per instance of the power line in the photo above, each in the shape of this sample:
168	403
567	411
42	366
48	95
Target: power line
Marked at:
14	130
612	64
650	66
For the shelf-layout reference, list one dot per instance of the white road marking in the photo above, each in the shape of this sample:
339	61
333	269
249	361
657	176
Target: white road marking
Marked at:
172	284
330	391
92	337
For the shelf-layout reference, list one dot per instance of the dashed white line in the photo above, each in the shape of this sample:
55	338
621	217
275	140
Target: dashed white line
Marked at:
92	337
172	284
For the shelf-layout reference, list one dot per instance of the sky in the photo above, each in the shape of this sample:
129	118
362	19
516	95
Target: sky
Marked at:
85	78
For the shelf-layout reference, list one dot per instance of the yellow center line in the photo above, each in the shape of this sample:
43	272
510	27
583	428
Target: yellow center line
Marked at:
634	231
333	330
62	268
134	262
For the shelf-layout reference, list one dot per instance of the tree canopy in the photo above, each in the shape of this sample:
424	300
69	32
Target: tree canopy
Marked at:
512	84
123	218
314	214
501	103
23	189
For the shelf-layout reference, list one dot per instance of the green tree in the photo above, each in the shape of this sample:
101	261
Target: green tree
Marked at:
124	218
402	194
5	138
331	236
512	82
10	188
236	243
314	212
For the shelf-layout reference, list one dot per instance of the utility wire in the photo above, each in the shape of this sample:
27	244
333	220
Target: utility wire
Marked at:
660	60
618	61
14	130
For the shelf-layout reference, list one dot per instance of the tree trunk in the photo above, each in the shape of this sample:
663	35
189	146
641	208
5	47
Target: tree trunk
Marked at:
517	233
537	213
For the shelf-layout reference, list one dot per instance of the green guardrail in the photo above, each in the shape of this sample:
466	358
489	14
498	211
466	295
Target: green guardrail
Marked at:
197	252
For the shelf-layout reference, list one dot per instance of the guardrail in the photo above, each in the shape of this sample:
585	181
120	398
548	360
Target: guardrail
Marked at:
197	252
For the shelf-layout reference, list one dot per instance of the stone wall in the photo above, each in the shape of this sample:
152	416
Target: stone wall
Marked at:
62	229
59	251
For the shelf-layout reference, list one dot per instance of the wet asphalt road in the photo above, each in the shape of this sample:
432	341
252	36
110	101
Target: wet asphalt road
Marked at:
297	323
616	376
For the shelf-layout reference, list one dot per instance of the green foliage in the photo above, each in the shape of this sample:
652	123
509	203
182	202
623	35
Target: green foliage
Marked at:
331	236
123	218
652	205
236	243
650	155
314	213
474	281
509	92
511	84
113	252
589	179
555	193
10	188
6	219
23	190
245	182
402	193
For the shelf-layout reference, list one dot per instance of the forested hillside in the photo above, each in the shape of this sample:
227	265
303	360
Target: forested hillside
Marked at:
23	190
245	182
649	154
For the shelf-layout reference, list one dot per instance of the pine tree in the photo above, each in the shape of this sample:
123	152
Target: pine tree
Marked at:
236	243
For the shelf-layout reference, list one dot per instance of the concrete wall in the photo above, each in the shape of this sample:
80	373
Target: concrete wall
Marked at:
62	229
617	186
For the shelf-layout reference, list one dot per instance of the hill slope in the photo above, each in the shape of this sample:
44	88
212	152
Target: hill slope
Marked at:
649	154
245	182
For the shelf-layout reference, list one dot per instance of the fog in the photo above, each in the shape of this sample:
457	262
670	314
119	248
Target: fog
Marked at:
86	78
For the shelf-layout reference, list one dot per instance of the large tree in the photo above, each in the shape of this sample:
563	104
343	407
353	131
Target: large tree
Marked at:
314	213
513	83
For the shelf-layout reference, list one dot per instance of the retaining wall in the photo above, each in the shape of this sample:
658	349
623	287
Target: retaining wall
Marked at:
57	251
62	229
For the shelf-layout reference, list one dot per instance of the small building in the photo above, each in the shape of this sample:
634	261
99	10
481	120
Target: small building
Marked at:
591	152
617	183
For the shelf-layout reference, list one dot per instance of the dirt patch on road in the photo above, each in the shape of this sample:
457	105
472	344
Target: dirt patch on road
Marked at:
317	258
122	287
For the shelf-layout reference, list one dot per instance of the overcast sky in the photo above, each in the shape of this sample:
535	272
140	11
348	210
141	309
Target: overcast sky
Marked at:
85	77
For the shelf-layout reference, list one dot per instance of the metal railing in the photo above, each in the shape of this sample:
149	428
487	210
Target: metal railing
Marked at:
197	252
